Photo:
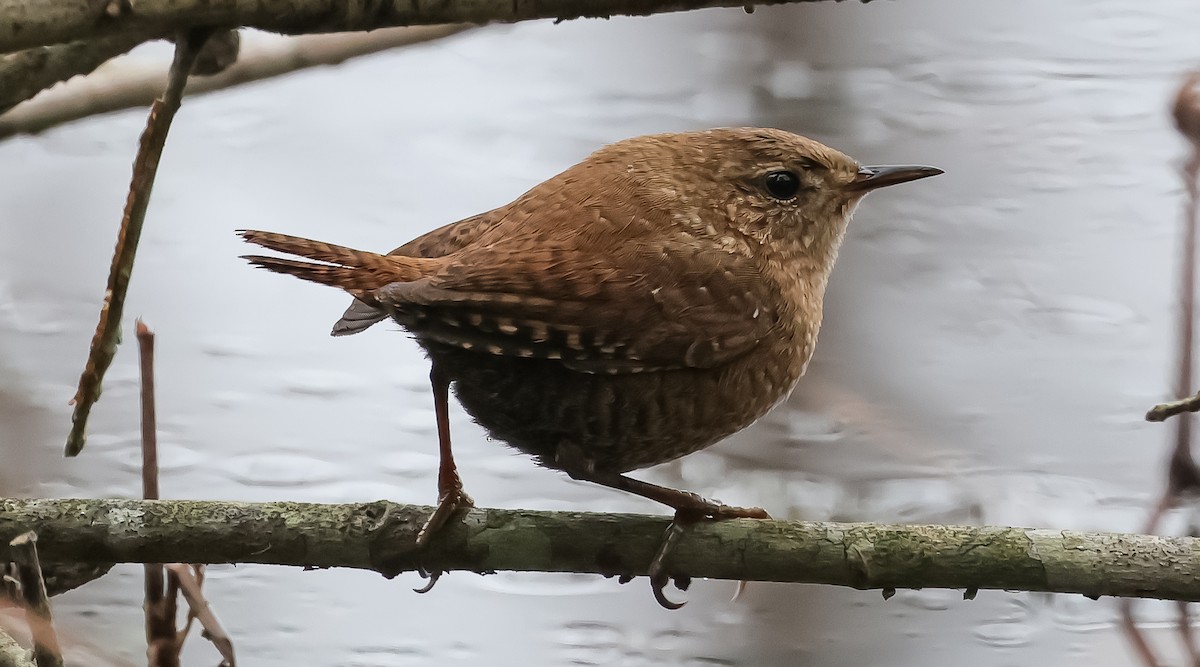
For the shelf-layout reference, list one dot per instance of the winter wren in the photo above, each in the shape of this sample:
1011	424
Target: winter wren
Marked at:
645	303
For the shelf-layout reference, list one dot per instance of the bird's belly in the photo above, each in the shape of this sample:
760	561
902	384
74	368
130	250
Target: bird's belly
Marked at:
617	422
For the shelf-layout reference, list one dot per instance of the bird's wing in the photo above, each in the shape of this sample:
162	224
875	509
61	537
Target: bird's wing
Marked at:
634	308
448	238
442	241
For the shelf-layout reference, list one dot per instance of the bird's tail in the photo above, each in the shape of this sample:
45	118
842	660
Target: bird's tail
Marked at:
355	271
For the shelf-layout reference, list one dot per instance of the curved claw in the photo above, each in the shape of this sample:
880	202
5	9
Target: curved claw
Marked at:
433	579
658	584
657	569
741	588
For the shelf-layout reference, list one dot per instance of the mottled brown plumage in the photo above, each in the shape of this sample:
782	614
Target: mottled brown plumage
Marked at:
649	301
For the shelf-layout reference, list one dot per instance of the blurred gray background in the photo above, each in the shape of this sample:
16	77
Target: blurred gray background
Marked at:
992	338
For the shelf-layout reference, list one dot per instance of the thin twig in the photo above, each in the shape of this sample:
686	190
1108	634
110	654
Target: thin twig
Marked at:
46	651
191	615
107	336
145	338
1164	411
161	642
10	588
1185	633
189	584
1183	475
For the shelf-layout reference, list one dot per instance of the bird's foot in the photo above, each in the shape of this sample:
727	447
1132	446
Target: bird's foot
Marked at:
453	500
432	576
449	502
685	517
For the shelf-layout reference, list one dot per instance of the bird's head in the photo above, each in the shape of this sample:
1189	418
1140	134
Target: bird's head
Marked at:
786	192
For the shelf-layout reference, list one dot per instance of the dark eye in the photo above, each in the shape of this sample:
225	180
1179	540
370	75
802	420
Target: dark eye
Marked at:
782	185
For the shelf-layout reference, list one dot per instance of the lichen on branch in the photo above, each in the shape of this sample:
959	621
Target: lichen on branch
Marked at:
379	536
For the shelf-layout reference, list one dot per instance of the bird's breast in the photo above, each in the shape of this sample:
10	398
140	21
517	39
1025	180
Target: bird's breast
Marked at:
621	422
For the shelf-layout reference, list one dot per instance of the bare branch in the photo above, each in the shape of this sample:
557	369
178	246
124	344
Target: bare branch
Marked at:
26	73
31	23
189	585
126	83
380	536
1183	475
1158	413
162	644
145	167
145	339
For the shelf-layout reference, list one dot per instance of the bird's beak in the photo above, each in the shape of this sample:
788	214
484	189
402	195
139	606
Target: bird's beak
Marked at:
870	178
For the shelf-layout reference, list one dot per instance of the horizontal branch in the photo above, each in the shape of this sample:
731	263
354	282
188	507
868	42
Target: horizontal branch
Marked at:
379	536
27	23
127	83
25	74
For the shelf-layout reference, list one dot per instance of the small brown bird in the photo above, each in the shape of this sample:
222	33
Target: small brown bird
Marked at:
645	303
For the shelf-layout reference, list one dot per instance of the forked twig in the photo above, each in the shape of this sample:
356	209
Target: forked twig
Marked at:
189	585
164	584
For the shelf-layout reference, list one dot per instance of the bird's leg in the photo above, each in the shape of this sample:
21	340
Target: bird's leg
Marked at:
683	501
689	508
451	496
